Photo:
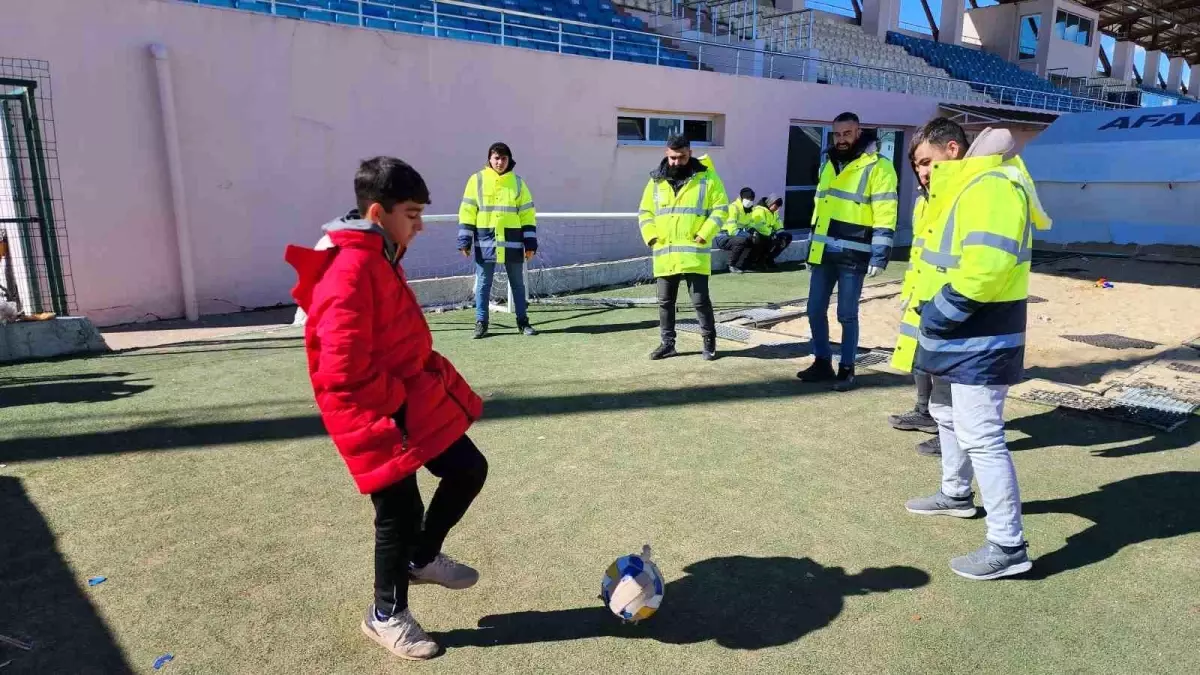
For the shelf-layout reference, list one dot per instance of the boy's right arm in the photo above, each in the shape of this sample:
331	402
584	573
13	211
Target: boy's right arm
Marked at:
357	399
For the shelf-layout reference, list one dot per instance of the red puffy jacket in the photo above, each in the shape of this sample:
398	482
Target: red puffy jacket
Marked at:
370	356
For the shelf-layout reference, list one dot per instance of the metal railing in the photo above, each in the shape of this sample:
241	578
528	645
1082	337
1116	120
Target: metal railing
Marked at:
497	25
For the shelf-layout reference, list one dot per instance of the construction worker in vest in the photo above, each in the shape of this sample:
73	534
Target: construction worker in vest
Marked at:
683	208
777	240
737	235
917	419
965	326
498	219
854	222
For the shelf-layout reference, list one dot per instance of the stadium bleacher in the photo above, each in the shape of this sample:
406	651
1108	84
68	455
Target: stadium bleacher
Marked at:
581	27
1013	86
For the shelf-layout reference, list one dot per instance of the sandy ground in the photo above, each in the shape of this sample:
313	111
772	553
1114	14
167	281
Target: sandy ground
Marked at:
1155	302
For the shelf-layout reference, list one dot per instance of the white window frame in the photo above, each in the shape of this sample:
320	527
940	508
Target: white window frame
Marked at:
646	117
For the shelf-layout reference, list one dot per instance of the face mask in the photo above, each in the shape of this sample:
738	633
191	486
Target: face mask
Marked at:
747	203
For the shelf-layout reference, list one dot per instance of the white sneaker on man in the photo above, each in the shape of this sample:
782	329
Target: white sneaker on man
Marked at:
400	635
445	571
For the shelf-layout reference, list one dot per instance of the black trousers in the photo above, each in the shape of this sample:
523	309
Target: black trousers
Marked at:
668	293
399	536
777	244
741	249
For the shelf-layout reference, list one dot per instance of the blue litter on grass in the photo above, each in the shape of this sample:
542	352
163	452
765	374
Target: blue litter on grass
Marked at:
96	581
163	660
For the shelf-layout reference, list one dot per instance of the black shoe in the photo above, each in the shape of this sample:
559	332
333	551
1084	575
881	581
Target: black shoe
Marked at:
931	447
845	379
525	328
480	329
664	351
710	349
821	370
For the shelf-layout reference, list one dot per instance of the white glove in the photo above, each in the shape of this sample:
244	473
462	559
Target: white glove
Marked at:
873	271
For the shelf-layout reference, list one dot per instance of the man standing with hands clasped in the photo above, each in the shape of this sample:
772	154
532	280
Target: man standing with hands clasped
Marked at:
683	207
498	219
854	222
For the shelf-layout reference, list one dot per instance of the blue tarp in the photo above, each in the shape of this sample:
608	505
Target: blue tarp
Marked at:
1141	145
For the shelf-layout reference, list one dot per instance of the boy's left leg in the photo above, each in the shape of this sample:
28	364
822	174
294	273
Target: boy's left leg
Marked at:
388	621
516	281
463	470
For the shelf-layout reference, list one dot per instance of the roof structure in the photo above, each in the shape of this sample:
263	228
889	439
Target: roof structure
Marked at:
1172	26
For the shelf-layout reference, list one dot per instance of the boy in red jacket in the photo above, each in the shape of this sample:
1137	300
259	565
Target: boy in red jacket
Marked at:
390	403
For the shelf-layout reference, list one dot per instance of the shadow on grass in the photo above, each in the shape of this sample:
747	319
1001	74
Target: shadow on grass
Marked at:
285	428
1126	512
84	388
739	602
41	603
1063	426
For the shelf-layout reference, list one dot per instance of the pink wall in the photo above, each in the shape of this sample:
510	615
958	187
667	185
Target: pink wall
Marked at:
274	115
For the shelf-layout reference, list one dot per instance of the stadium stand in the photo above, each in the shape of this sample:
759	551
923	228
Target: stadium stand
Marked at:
1013	85
583	27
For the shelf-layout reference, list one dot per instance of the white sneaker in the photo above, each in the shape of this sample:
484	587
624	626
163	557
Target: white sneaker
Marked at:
445	571
400	635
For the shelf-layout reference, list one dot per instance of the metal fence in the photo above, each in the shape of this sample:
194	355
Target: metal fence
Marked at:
498	25
35	271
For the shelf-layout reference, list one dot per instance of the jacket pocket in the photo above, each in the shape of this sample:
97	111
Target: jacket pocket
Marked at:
401	420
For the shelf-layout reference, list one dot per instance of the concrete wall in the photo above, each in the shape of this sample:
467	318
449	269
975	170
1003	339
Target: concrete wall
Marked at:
998	30
274	115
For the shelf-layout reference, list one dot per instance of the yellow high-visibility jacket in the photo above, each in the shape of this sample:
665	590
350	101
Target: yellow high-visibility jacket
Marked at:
497	216
855	212
766	220
738	218
670	221
965	321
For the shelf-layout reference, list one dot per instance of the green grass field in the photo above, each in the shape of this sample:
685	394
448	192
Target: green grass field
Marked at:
198	480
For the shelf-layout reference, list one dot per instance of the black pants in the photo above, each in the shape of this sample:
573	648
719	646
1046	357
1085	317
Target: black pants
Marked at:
399	537
668	292
741	249
777	244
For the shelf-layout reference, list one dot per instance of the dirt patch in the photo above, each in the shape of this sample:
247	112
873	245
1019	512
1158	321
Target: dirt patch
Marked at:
1155	305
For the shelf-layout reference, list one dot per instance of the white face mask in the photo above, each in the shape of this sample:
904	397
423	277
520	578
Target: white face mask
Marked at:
747	203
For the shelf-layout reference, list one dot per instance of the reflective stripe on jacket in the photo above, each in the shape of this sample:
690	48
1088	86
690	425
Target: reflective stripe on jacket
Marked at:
496	216
855	212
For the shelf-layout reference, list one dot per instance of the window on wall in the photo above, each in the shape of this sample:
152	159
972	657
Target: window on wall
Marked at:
1031	26
635	129
1073	28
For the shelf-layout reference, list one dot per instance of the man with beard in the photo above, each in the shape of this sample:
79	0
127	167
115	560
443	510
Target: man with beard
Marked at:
854	222
683	207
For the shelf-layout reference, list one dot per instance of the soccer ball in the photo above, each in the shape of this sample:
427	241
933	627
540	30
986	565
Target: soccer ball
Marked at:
632	587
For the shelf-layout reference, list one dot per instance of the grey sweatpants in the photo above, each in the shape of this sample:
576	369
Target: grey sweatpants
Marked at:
970	422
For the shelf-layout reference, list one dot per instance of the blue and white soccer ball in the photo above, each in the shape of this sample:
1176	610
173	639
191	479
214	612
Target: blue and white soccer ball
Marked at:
632	587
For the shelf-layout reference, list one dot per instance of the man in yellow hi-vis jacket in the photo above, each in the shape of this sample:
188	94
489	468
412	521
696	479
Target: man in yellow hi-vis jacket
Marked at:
918	419
965	326
497	219
854	222
683	207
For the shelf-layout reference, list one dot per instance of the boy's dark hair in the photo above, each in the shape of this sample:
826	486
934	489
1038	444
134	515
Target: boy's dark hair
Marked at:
679	142
846	117
746	193
938	132
388	181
